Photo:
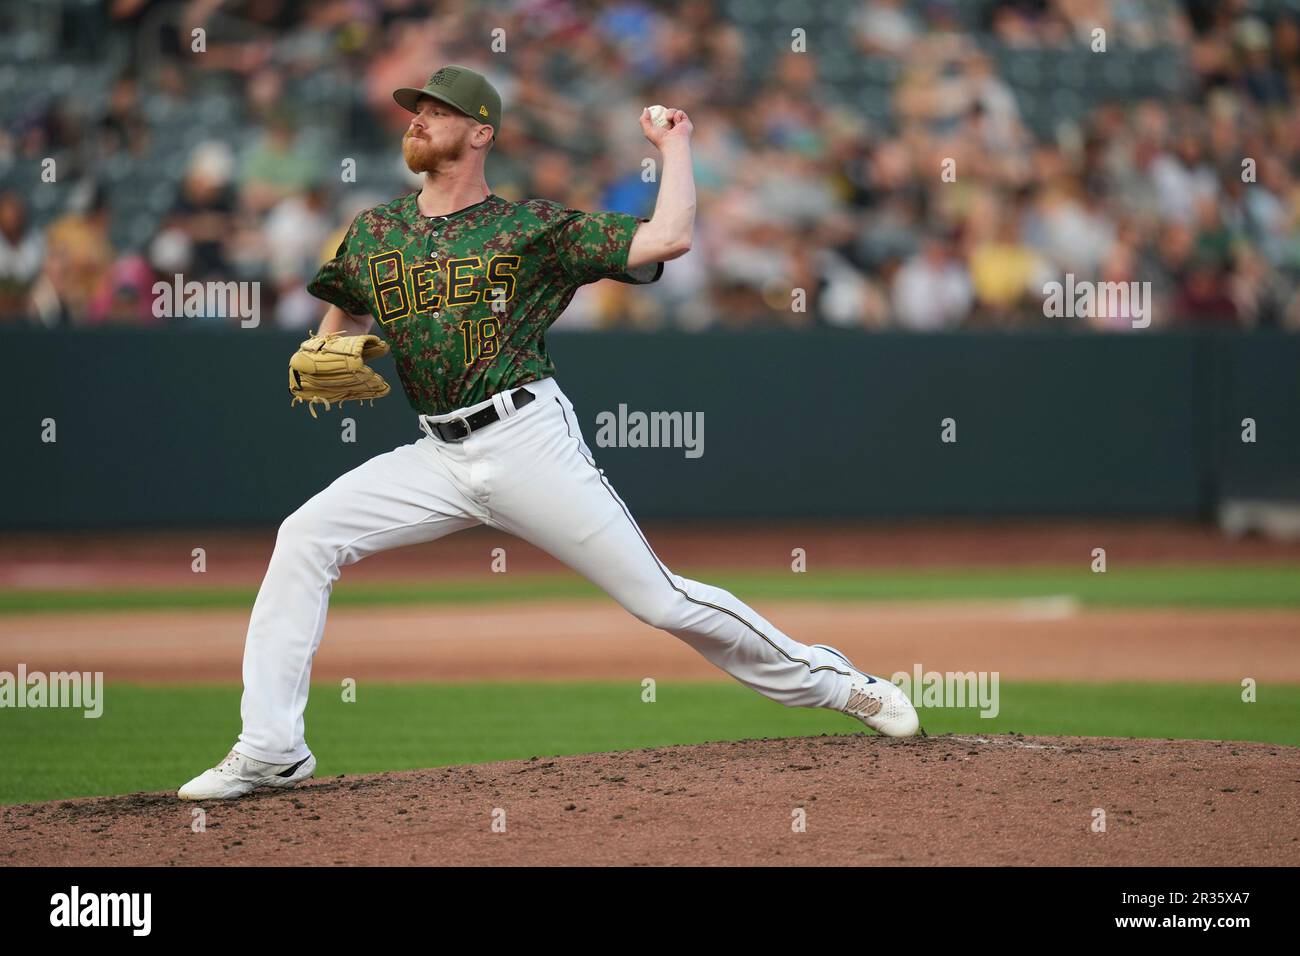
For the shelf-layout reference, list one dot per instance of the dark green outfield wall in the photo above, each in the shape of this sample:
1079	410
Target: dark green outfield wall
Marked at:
796	424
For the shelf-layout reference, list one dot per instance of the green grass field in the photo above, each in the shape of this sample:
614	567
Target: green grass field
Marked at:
1147	585
157	737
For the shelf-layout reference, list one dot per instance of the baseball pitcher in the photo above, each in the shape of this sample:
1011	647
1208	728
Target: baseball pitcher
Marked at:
462	285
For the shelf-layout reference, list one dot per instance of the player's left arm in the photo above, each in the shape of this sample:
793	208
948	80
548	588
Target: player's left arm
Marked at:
669	231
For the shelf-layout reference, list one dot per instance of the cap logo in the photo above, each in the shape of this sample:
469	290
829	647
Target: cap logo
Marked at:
482	111
443	77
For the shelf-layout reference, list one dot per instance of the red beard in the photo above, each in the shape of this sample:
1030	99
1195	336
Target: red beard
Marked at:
422	155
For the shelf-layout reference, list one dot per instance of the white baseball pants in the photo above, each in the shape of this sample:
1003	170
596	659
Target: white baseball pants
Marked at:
529	474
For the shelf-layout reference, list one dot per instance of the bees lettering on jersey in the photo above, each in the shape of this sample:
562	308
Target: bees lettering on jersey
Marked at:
432	287
421	289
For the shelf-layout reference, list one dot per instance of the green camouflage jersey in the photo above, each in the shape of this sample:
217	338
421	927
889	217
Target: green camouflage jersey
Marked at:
465	300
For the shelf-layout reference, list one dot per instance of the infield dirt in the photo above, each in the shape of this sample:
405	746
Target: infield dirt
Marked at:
160	559
598	640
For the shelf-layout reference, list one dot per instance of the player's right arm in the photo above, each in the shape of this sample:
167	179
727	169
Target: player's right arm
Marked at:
336	320
668	233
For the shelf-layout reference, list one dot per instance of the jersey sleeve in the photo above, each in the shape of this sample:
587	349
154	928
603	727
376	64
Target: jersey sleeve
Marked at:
338	281
594	245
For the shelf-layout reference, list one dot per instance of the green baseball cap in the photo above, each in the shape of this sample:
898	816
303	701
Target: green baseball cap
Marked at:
459	86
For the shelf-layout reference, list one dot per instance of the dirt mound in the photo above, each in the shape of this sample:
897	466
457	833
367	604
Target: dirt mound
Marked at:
861	800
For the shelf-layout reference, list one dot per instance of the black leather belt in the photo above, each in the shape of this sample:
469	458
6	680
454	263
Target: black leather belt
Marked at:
458	429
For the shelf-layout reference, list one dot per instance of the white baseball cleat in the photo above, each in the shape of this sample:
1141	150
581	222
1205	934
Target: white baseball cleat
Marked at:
238	775
878	703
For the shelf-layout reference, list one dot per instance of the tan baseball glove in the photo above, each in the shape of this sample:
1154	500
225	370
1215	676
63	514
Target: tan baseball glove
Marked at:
332	368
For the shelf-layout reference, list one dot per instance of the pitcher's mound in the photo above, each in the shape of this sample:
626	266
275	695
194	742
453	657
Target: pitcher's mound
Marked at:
831	800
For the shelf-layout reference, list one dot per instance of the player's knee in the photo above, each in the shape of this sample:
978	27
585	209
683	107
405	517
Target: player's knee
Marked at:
663	611
301	531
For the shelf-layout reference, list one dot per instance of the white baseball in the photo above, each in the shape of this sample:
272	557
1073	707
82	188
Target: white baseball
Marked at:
659	115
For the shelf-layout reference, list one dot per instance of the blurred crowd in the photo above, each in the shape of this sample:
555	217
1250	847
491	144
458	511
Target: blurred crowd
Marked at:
911	166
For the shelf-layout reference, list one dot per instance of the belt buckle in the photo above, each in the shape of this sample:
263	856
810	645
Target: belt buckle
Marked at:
463	421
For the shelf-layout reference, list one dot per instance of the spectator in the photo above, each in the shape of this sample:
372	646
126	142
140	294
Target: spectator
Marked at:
125	295
886	28
932	291
204	210
1259	75
77	257
1007	275
1063	226
22	250
276	168
293	232
123	128
1181	179
1204	297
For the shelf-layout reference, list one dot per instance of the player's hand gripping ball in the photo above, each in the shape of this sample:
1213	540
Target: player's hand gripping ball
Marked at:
661	123
332	368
